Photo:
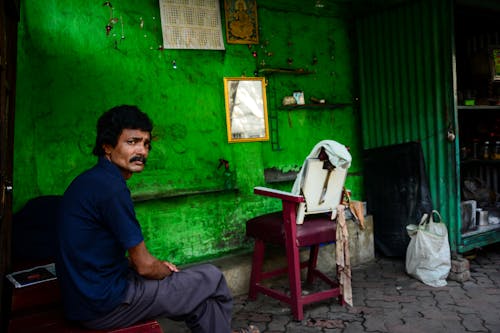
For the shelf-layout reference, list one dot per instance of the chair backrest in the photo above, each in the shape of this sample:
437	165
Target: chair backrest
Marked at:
322	188
34	230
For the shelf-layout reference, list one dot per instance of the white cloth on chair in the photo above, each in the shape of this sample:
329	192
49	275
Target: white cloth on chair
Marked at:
337	153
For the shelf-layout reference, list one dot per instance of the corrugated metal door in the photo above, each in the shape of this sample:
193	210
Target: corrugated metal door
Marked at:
406	82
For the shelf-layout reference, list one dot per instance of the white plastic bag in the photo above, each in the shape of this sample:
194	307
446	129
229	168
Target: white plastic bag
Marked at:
428	256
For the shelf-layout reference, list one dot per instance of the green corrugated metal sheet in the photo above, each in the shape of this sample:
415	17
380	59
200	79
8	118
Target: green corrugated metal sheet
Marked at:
406	91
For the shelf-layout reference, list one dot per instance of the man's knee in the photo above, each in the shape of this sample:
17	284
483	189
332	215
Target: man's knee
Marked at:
212	270
209	271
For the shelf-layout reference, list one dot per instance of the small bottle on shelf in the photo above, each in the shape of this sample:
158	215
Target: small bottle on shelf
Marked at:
485	150
496	151
475	149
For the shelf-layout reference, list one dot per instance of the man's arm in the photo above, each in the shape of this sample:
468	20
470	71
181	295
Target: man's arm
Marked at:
148	266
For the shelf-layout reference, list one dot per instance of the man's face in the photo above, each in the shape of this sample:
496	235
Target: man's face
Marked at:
131	151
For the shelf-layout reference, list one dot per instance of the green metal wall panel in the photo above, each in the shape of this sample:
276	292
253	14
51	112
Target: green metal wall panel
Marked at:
406	91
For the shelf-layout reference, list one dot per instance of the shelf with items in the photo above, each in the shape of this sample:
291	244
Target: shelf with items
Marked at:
479	137
272	112
479	132
278	76
484	235
478	107
481	229
477	111
318	106
475	162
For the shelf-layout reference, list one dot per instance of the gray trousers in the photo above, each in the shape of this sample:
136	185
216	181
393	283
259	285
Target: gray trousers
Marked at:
197	295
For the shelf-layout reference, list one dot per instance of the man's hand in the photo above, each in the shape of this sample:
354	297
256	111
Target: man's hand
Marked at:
148	266
170	266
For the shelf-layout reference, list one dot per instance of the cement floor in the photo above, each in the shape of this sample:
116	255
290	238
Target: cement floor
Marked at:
386	299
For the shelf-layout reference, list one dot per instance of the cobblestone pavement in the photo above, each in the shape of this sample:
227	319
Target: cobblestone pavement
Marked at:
388	300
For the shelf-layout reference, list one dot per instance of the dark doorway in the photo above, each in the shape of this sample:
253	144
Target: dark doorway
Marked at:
9	18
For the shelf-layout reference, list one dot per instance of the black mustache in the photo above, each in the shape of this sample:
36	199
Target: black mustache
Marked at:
138	158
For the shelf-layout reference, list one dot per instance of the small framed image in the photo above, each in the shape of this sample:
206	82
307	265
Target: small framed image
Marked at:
241	21
246	109
495	62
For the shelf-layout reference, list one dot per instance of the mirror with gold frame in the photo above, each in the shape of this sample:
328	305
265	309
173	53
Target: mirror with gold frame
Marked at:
246	109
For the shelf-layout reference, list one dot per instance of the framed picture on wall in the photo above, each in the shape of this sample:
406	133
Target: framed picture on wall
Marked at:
495	62
241	22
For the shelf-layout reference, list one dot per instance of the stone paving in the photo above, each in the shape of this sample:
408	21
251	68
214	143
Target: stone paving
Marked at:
388	300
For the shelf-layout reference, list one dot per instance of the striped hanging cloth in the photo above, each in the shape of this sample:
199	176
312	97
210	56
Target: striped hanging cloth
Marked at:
342	256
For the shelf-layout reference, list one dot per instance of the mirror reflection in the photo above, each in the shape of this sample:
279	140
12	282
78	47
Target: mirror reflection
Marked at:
246	109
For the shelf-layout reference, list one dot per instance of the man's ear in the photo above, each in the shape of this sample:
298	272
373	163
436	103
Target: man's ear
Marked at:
107	148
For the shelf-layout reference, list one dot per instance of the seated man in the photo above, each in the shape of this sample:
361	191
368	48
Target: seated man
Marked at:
103	288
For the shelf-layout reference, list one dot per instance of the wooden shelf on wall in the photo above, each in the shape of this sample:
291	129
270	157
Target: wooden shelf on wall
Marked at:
294	71
478	107
317	106
180	193
480	162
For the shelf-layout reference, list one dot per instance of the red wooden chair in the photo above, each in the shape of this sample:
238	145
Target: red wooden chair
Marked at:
38	308
306	220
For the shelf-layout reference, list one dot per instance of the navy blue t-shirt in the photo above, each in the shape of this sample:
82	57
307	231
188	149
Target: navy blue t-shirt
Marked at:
97	225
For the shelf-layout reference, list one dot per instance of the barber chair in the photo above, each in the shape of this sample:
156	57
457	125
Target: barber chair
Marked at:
307	220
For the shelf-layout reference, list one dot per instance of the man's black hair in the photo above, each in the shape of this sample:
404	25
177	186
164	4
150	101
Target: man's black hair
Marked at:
111	124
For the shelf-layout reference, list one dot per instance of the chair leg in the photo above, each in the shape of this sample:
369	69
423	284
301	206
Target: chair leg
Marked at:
256	273
313	259
294	280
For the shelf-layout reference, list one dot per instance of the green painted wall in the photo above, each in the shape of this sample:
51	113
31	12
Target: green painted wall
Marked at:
70	71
